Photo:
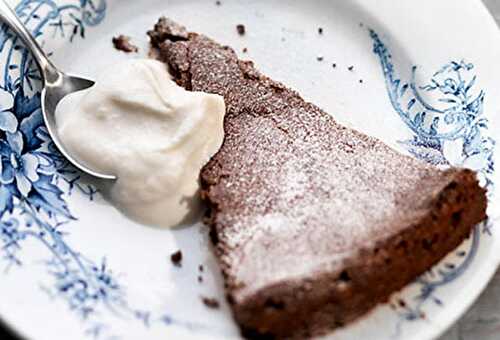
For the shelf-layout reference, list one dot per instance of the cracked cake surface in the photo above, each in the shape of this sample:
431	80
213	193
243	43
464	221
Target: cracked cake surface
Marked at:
313	223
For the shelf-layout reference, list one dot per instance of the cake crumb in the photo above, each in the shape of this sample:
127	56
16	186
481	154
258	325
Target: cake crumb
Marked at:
402	303
176	258
241	29
218	3
200	279
167	29
200	268
245	50
319	58
350	68
210	302
361	81
334	65
122	43
320	30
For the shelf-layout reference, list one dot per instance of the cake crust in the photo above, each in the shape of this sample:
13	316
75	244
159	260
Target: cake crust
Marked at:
313	223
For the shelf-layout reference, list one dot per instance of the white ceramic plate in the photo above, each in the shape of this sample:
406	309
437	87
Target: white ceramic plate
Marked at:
74	268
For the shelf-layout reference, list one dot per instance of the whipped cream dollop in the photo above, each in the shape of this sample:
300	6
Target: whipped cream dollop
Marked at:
139	125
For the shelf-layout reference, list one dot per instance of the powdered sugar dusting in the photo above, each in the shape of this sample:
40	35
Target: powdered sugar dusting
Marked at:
295	192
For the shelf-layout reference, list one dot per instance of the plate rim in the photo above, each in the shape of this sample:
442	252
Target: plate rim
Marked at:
475	294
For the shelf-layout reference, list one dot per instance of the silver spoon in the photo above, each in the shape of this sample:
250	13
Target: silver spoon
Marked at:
56	85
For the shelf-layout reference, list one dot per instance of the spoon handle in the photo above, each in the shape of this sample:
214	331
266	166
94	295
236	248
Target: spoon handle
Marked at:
9	17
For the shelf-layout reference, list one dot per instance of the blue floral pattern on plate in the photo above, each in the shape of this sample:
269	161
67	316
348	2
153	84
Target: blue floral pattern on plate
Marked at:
452	135
34	176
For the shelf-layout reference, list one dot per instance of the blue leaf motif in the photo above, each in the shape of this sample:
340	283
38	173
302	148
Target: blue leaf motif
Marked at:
447	100
24	106
471	84
419	118
6	200
425	152
47	197
29	126
396	83
411	103
7	175
403	89
433	128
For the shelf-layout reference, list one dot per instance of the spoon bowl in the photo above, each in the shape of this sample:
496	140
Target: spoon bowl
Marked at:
56	85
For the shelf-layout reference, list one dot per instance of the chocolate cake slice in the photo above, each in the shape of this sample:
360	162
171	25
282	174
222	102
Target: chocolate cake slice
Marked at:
313	223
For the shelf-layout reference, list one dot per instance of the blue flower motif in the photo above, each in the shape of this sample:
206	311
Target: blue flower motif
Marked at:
34	176
18	160
16	165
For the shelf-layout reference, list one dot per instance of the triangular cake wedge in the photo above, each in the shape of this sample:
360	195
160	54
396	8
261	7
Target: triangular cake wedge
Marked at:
313	223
